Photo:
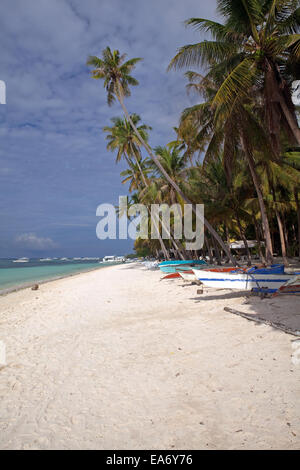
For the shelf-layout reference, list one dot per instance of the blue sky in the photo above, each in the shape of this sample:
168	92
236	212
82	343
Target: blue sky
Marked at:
54	166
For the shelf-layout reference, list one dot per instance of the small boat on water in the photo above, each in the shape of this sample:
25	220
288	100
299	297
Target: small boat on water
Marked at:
21	260
171	266
270	278
109	259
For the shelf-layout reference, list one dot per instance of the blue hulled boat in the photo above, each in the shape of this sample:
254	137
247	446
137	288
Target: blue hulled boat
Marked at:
185	265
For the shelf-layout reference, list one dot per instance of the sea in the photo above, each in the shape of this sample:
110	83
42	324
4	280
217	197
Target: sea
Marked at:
16	275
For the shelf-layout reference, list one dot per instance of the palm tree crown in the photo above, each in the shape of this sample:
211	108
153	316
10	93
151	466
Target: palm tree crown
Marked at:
115	73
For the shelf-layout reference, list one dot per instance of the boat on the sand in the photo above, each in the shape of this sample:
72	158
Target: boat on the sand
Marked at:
270	278
170	266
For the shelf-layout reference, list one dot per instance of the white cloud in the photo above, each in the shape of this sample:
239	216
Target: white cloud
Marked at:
31	240
51	138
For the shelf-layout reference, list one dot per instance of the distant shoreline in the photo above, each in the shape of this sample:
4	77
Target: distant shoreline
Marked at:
27	285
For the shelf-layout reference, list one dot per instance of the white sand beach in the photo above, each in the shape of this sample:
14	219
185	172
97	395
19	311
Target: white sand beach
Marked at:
117	359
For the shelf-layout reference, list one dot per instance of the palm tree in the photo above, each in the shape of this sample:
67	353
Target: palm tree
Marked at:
224	199
160	189
253	52
122	138
258	44
232	134
117	79
132	175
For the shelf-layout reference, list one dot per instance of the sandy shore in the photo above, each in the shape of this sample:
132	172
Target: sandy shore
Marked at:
117	359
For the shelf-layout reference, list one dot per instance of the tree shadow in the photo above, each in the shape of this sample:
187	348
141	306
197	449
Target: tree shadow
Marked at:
225	296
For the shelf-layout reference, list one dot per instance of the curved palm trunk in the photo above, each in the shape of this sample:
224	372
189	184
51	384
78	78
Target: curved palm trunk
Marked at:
174	185
177	249
217	252
264	215
243	237
162	245
209	250
290	118
282	238
257	234
281	231
275	94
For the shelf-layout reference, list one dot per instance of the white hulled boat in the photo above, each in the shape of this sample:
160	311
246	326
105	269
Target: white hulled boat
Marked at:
270	278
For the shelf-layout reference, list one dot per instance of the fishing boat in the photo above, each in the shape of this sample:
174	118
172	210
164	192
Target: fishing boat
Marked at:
290	287
171	276
21	260
170	266
188	276
270	278
191	276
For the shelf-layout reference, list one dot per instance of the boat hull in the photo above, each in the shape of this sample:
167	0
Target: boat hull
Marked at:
184	266
241	280
188	276
172	276
174	268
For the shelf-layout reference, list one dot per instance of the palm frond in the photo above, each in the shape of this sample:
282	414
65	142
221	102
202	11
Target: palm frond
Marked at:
202	53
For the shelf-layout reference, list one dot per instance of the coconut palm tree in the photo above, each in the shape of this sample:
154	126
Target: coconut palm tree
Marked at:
117	79
257	44
122	138
132	175
160	190
232	134
252	54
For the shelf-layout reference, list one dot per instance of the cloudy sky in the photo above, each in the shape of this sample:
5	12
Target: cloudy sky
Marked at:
54	166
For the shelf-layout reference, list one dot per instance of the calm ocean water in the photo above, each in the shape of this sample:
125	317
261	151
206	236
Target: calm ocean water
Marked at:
17	274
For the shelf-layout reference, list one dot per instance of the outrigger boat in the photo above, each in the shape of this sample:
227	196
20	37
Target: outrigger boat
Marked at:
270	278
191	276
188	276
170	266
290	287
171	276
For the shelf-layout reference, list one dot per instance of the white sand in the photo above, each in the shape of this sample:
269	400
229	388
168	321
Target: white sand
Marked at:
116	358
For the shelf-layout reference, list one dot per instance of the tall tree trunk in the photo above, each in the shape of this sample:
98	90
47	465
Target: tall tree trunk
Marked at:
264	215
286	236
176	245
285	102
290	118
281	230
227	237
260	252
209	250
243	237
162	245
173	184
282	238
217	252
